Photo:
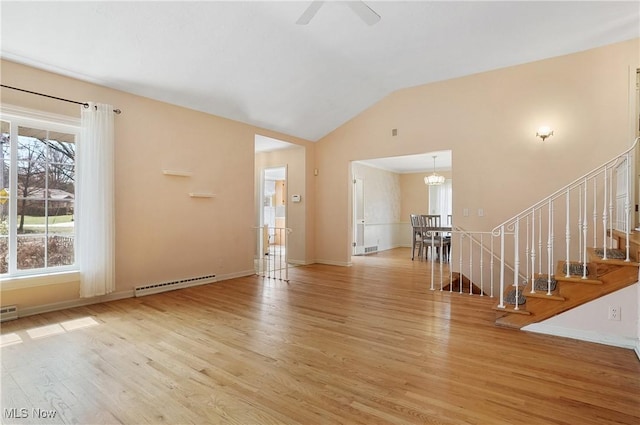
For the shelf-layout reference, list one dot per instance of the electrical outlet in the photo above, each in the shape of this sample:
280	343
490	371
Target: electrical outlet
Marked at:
614	313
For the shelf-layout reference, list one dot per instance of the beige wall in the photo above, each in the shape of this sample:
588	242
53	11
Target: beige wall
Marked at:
415	194
489	122
161	233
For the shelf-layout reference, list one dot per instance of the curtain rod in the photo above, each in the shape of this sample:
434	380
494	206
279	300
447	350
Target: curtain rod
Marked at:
86	105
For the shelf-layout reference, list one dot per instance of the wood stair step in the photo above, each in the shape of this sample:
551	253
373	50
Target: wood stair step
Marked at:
595	258
603	278
543	292
592	276
511	309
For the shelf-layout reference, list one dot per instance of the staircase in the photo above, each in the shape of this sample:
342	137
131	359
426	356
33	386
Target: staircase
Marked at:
537	274
564	293
550	275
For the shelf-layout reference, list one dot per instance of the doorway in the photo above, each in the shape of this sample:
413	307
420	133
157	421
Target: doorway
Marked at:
386	191
274	209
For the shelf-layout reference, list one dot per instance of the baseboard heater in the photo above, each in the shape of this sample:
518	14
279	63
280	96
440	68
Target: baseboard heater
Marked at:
370	249
9	312
155	288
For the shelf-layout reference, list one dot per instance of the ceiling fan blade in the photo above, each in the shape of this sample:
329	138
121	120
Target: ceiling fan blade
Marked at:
368	15
311	11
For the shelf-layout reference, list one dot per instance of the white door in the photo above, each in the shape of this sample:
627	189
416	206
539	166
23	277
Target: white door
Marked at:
358	217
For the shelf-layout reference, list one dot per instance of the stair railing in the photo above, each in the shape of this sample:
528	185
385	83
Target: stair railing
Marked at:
527	241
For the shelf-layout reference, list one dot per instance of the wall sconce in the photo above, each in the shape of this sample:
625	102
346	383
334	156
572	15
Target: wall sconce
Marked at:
544	132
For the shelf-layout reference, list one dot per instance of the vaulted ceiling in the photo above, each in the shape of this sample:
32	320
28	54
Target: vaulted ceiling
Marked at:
251	62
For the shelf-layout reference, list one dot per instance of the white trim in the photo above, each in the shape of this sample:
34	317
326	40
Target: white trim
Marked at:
334	263
299	262
31	281
17	112
62	305
637	348
235	275
590	336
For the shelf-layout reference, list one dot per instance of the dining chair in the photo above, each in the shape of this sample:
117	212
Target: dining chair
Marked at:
431	236
417	235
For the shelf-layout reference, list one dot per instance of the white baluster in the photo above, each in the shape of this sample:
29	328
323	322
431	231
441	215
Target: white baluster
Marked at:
501	304
568	233
470	264
527	254
611	194
540	241
549	242
604	215
552	254
533	250
432	260
461	251
491	266
580	241
441	255
585	227
595	213
627	205
516	242
481	266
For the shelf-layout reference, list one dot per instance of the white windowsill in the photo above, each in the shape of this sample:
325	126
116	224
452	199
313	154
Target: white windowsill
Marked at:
22	282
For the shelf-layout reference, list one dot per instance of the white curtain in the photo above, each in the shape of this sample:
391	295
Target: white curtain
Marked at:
441	200
95	209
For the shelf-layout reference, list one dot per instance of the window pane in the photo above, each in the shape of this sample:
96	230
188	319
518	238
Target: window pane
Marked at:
60	218
31	179
61	177
4	254
5	154
30	252
60	250
31	216
31	145
62	149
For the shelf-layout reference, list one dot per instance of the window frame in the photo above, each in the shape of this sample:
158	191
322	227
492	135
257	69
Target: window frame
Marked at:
23	117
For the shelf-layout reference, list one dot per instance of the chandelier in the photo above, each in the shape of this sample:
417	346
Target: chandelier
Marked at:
434	179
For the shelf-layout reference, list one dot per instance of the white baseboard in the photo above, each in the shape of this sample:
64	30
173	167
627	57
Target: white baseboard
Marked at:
235	275
637	349
46	308
299	262
582	335
335	263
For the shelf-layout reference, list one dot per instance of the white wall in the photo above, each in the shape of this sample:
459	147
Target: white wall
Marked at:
382	201
589	322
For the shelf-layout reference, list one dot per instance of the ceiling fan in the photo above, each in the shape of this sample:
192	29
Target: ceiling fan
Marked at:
364	12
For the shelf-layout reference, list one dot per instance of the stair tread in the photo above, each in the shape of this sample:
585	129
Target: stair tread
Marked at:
570	292
511	309
592	277
542	292
595	258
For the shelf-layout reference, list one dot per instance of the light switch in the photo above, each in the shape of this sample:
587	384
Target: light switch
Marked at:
480	212
465	212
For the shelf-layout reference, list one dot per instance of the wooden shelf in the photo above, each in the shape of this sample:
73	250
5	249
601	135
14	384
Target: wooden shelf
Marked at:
177	173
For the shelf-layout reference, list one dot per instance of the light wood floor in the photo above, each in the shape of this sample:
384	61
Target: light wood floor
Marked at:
366	344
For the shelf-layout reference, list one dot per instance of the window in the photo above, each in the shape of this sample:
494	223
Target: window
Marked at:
441	201
37	196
